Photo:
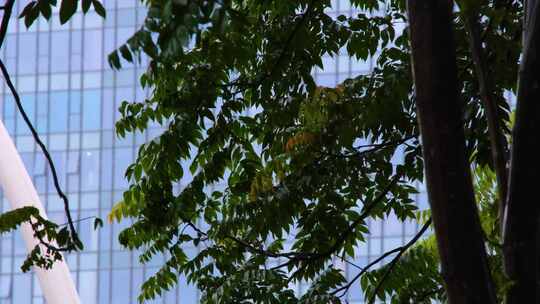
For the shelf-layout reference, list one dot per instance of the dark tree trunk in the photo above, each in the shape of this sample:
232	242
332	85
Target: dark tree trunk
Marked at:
454	212
521	224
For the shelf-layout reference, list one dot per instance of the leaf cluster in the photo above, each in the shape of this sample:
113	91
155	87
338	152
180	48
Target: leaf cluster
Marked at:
68	8
270	176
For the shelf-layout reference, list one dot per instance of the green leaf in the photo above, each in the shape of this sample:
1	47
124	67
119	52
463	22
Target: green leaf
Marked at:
31	15
100	10
86	5
114	60
67	10
62	236
98	223
45	9
27	9
12	219
138	172
124	50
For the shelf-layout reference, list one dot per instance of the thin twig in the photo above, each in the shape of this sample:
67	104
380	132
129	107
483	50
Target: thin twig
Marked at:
374	147
79	220
400	250
351	263
294	255
364	270
389	143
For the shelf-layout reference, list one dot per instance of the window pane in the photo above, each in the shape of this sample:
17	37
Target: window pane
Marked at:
120	285
92	55
88	286
59	112
60	51
27	53
20	286
90	170
106	167
91	110
122	158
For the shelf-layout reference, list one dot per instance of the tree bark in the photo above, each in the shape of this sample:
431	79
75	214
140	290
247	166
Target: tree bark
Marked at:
454	212
522	217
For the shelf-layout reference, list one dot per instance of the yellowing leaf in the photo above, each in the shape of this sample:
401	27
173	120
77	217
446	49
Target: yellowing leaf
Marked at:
117	212
302	138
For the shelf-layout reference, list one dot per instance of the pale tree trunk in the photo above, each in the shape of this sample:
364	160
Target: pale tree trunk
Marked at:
455	216
521	223
56	283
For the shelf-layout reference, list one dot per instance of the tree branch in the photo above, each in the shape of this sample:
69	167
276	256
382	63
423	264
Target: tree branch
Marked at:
488	96
394	261
365	269
400	250
7	8
59	191
308	256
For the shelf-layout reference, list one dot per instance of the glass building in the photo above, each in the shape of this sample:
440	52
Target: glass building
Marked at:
72	95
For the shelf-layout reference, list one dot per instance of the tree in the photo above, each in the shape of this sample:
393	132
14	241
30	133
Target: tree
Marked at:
304	167
521	239
449	184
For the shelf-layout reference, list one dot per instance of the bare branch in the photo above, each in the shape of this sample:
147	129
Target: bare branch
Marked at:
488	96
56	182
394	261
7	8
400	250
345	288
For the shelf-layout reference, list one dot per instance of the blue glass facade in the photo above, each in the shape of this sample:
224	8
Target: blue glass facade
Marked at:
72	95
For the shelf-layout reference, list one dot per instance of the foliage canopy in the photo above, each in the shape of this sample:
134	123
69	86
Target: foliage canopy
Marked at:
279	176
273	177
